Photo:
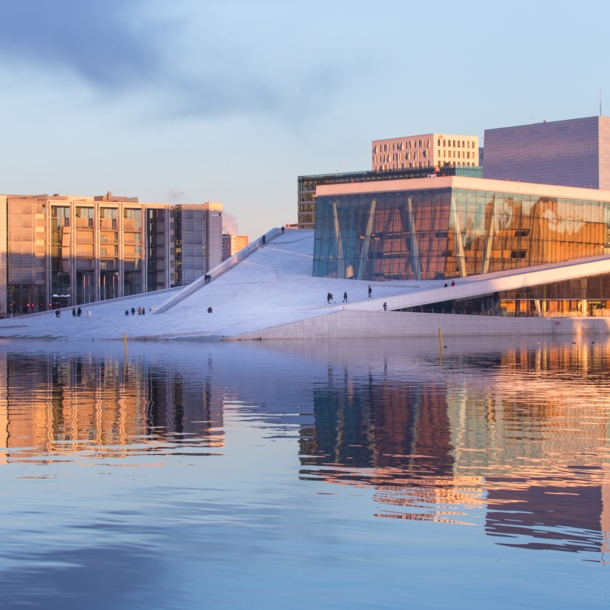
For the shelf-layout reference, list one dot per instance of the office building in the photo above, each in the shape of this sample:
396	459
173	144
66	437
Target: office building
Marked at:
568	153
198	240
307	185
428	150
62	250
232	244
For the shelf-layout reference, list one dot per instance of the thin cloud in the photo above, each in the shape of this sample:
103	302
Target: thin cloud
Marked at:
185	64
97	41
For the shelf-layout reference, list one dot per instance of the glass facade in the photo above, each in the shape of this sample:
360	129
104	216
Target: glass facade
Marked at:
155	250
190	256
447	233
132	251
85	255
60	256
586	296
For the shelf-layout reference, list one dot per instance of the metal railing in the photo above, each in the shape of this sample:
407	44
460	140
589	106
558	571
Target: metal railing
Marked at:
474	171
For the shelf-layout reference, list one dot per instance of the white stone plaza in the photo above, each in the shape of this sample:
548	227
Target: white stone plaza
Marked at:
268	292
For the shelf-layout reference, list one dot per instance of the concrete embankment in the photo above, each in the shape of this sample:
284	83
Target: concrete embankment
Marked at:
345	324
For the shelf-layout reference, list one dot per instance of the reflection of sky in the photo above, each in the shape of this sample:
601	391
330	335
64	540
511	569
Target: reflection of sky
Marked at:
315	442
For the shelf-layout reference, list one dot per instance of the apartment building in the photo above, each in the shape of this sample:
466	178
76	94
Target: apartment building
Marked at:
428	150
62	250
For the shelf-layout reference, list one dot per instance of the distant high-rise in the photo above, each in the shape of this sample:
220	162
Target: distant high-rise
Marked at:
575	152
232	244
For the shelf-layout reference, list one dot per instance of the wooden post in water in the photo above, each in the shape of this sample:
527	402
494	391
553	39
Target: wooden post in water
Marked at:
440	340
125	346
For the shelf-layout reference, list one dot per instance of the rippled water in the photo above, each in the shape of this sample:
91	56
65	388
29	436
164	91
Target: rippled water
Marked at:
322	475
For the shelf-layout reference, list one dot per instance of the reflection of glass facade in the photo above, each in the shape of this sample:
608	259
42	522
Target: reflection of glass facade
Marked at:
97	401
448	232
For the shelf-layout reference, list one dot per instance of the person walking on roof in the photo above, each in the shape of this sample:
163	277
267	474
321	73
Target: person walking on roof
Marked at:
370	292
345	297
264	239
385	307
329	298
79	311
283	229
73	312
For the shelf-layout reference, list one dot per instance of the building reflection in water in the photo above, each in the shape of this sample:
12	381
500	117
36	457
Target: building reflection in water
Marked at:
515	440
51	404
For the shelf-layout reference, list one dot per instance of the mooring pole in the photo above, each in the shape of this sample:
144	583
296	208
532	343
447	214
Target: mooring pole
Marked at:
440	341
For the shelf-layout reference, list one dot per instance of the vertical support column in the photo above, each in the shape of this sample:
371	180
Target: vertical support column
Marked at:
48	266
168	234
144	246
538	308
340	259
413	245
72	255
367	240
3	256
458	237
96	250
489	236
121	256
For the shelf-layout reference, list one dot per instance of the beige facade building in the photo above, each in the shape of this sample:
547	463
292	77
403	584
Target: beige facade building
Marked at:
62	250
232	244
428	150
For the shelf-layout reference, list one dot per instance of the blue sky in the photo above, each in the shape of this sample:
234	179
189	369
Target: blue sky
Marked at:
188	100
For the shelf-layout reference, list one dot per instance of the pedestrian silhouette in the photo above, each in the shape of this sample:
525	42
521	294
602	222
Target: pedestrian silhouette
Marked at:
79	312
73	312
133	311
345	297
329	297
209	310
264	239
385	307
57	313
282	230
127	312
370	292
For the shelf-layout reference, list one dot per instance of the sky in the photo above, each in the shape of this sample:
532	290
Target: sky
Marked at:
186	101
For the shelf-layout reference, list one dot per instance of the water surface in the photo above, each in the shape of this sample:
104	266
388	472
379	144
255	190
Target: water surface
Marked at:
329	475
